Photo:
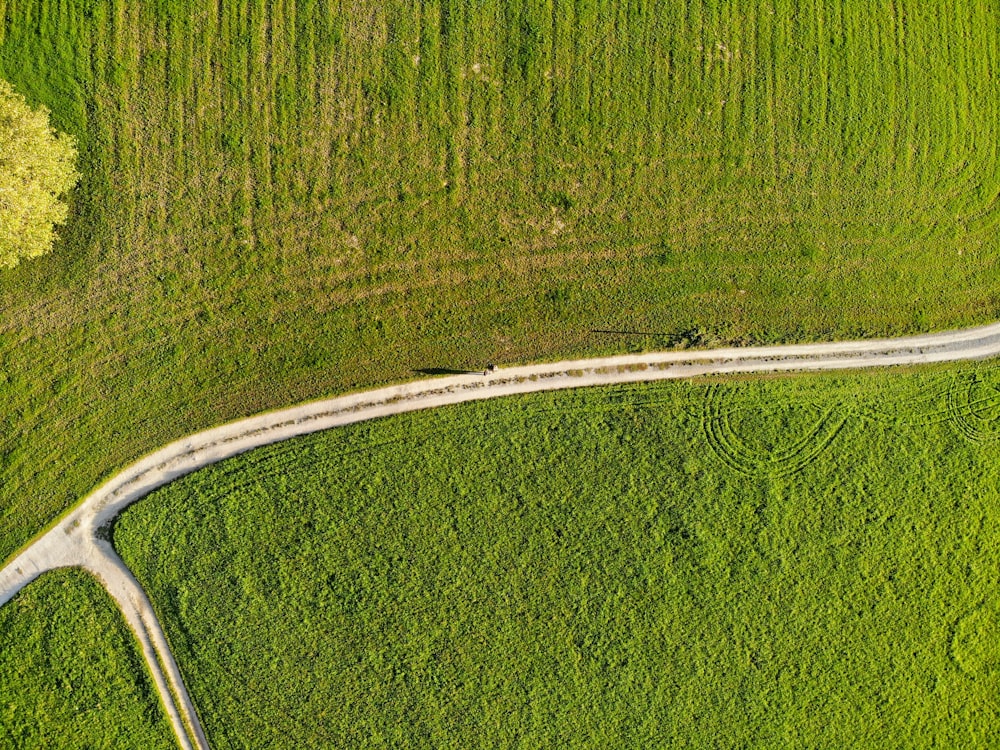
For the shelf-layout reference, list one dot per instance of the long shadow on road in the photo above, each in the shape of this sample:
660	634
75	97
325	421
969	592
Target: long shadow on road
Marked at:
446	371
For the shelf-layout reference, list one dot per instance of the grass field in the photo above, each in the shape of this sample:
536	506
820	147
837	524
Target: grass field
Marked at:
289	198
71	675
785	562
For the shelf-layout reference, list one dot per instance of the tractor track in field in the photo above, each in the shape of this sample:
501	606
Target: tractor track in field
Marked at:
81	537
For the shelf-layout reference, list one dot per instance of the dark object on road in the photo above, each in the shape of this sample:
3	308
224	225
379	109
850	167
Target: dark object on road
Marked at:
490	368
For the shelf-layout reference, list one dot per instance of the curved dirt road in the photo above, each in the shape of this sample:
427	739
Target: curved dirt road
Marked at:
80	538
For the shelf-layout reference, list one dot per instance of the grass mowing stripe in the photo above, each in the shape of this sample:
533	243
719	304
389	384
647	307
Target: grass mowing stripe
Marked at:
284	200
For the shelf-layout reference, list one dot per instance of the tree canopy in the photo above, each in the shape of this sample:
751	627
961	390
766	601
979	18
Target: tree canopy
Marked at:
36	171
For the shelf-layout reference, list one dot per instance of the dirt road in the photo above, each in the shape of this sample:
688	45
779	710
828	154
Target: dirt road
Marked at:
79	538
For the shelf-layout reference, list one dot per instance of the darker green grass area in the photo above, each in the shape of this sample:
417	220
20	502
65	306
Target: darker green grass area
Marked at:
71	674
785	562
283	200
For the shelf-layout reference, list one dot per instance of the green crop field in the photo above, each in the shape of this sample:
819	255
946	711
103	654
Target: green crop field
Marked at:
283	199
71	675
786	562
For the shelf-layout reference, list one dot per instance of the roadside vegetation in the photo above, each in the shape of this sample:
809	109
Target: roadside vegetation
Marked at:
282	200
71	675
805	561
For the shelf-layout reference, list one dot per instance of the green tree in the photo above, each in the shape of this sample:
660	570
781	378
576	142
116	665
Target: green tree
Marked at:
36	171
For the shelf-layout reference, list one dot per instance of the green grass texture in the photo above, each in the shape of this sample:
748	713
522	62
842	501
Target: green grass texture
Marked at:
284	199
71	674
784	562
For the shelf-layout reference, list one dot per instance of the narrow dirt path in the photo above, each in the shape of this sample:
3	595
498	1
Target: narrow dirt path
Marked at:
79	538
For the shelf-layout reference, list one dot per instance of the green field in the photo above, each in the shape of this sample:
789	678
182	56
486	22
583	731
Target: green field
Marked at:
786	562
71	675
283	199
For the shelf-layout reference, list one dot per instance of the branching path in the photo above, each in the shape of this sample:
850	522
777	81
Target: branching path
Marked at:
81	537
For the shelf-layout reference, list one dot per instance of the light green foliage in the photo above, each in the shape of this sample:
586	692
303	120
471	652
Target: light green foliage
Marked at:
71	675
646	566
36	171
287	199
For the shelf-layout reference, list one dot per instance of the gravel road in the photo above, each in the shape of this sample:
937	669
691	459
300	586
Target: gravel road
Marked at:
79	538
